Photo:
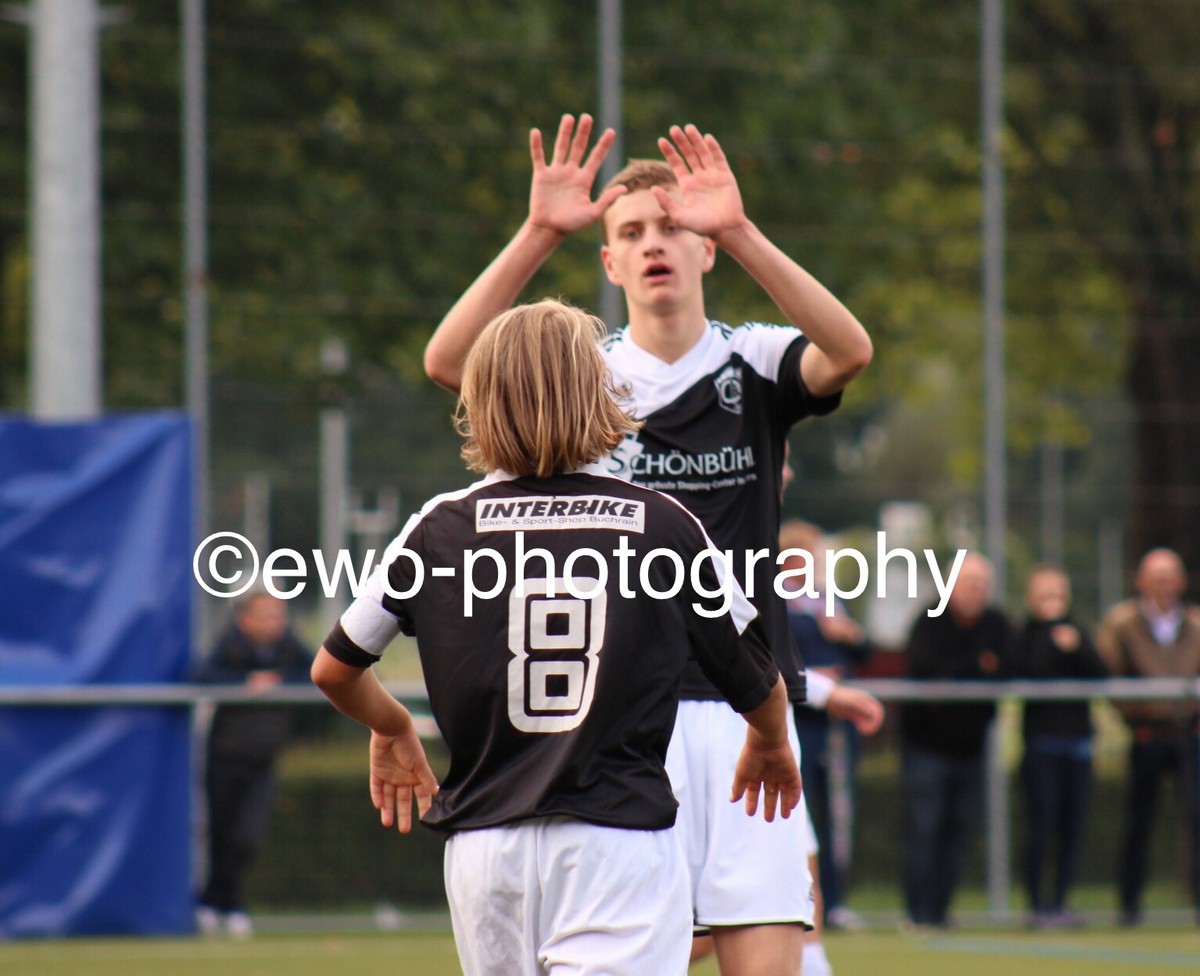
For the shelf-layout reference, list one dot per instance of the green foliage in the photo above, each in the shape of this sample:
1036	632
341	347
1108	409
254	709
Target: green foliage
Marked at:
366	160
13	251
327	849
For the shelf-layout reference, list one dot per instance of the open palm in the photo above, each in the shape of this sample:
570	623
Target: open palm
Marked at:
399	773
560	197
708	200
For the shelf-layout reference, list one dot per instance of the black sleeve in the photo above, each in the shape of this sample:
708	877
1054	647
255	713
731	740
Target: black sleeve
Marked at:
345	650
731	649
796	402
740	665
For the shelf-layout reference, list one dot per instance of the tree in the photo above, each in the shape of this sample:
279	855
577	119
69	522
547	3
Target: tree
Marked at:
1111	132
366	159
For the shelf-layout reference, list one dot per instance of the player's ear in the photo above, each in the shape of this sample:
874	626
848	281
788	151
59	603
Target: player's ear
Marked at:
710	254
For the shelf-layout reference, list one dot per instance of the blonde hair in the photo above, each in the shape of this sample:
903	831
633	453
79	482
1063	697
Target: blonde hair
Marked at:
639	174
537	398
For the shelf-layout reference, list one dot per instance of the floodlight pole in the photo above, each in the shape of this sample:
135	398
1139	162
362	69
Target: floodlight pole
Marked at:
995	477
65	323
195	277
609	57
195	243
995	474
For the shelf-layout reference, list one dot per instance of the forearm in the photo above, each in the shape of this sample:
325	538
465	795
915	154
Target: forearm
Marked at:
495	290
358	694
768	723
842	347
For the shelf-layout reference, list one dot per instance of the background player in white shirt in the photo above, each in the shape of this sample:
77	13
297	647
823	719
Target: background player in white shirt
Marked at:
717	405
556	695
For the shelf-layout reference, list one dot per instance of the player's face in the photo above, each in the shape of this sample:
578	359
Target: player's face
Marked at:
659	264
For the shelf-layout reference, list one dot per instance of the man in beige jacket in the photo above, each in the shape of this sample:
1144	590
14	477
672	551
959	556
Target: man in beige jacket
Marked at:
1156	635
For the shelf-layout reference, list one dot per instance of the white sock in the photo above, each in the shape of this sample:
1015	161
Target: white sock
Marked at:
814	962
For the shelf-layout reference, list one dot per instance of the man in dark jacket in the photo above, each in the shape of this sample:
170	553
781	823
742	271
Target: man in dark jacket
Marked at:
943	743
259	651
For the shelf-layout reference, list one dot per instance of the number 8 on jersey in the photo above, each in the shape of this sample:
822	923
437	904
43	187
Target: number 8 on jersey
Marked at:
555	642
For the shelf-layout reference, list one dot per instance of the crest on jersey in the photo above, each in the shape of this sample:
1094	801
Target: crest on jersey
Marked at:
729	387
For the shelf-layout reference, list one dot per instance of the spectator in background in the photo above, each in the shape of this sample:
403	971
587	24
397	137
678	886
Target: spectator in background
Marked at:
1057	765
1155	635
259	651
943	743
831	644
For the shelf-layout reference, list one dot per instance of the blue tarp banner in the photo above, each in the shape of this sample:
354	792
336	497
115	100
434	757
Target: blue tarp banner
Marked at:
95	584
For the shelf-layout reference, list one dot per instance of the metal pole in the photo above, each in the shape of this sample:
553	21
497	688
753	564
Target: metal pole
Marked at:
65	378
334	461
995	528
1110	584
1053	510
334	443
256	511
609	58
999	835
195	275
995	515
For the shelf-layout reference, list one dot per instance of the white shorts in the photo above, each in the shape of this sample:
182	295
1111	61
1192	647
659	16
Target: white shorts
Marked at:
558	896
744	871
812	846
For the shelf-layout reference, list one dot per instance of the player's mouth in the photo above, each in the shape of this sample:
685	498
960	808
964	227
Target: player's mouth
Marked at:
657	272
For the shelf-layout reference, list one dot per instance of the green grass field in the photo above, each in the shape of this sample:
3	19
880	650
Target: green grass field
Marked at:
977	952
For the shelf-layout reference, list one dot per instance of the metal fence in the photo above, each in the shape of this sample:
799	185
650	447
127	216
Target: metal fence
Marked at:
998	828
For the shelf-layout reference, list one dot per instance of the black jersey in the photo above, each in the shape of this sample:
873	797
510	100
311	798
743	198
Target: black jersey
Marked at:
558	696
716	424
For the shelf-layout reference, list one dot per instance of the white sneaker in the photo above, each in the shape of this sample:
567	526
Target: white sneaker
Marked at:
238	925
208	920
814	962
845	919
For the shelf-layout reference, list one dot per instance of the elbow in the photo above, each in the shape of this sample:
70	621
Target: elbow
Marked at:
441	369
855	358
859	356
320	671
329	674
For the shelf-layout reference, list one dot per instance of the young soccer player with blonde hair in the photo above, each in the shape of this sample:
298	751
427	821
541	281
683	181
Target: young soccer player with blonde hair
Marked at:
554	626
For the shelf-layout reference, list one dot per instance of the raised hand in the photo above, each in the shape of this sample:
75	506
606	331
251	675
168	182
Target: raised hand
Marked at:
708	200
560	197
400	772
